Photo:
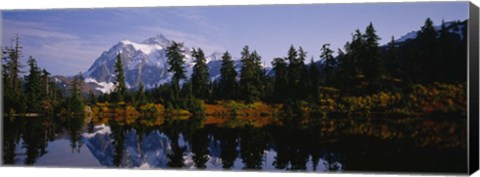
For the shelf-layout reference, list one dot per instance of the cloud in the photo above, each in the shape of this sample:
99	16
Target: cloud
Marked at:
59	52
34	29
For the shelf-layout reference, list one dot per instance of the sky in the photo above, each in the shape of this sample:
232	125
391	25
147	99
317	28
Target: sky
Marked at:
66	42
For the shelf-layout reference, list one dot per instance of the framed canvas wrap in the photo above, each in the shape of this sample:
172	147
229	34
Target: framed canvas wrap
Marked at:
311	88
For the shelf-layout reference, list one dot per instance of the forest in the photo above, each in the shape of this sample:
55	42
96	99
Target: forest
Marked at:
423	76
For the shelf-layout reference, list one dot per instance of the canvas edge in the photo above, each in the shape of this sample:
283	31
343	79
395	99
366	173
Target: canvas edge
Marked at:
1	97
473	92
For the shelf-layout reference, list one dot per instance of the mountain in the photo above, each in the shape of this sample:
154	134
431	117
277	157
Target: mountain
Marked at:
143	62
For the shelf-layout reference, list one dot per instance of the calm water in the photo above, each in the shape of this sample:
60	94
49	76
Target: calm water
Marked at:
319	145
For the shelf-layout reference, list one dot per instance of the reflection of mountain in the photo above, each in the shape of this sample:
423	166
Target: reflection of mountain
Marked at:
151	152
154	149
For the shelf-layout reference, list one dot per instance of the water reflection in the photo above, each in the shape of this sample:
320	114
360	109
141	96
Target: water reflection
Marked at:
320	145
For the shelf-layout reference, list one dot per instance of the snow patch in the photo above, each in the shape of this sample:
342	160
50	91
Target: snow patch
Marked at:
104	86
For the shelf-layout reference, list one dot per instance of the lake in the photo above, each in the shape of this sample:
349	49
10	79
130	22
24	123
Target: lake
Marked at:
210	143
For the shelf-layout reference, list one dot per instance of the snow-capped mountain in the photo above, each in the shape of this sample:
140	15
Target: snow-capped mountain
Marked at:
145	61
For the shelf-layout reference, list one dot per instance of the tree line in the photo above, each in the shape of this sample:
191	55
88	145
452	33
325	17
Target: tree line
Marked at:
35	92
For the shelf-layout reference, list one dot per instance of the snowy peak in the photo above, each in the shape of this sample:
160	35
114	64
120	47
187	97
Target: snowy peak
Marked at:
215	56
158	40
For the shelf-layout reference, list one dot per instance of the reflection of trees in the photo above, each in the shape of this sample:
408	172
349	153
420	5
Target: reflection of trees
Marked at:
298	147
12	131
35	137
175	156
292	148
281	143
252	145
74	127
200	147
172	128
228	143
356	144
118	136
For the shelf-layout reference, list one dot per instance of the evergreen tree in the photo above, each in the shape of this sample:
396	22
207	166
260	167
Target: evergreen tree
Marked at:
12	88
248	77
141	98
186	93
427	53
33	86
200	76
349	65
228	74
280	88
176	61
13	65
121	88
340	76
372	62
355	53
303	88
449	49
393	65
328	64
293	75
314	80
45	83
92	98
75	101
260	77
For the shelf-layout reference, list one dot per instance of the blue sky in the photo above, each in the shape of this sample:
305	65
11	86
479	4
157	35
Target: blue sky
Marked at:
68	41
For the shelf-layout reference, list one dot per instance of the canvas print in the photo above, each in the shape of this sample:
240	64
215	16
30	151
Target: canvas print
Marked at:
361	87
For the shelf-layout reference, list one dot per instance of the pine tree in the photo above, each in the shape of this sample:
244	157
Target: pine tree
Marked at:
141	98
186	93
280	88
450	48
340	73
75	101
293	75
228	84
328	64
121	88
33	86
296	73
427	54
260	78
176	61
393	64
45	83
372	65
200	76
355	52
92	98
314	80
12	88
248	77
14	66
349	65
303	88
